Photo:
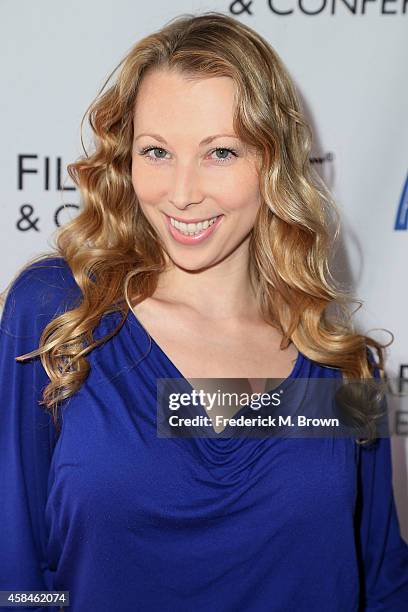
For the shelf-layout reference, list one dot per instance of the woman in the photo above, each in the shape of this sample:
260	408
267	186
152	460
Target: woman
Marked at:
202	126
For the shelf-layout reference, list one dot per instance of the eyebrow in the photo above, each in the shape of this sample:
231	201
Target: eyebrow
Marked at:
204	141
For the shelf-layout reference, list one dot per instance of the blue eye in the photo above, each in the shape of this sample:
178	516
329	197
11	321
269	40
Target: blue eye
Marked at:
146	150
231	153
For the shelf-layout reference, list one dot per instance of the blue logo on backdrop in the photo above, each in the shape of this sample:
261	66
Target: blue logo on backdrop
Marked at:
401	221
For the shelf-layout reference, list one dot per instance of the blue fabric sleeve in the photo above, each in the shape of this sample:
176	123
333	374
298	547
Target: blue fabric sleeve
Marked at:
383	552
27	434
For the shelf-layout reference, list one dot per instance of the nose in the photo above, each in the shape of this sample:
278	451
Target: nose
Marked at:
184	188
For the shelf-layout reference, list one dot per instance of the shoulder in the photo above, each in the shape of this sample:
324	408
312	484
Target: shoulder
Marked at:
372	362
40	292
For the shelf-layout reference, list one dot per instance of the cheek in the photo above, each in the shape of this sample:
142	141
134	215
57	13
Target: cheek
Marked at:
242	196
147	190
240	185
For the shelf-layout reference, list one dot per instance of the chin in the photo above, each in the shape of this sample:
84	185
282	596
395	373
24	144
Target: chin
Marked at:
192	264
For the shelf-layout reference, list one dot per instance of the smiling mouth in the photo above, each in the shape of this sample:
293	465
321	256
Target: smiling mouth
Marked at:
190	228
192	233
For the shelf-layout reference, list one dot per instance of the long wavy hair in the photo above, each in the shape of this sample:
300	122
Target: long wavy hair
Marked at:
116	256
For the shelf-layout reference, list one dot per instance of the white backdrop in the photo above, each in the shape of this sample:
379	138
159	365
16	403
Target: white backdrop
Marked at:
347	58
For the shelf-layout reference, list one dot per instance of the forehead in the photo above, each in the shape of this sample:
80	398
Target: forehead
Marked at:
165	97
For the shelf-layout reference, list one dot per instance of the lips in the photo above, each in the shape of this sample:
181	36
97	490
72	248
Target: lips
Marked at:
196	238
197	220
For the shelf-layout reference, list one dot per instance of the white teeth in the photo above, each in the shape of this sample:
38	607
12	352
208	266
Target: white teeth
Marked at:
190	229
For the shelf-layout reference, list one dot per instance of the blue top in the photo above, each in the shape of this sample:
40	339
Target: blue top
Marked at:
126	520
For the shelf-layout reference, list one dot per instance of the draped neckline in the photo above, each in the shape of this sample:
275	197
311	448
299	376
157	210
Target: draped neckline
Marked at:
174	372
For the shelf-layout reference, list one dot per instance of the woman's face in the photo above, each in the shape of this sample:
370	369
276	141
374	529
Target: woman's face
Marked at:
188	166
